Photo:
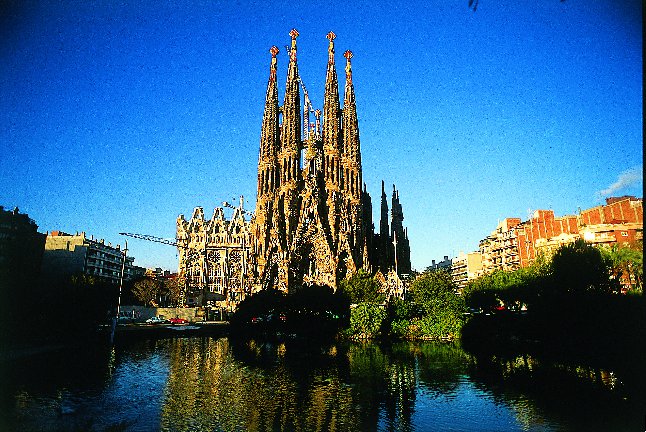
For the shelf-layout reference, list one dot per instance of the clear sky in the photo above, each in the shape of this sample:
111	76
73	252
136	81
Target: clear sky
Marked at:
119	116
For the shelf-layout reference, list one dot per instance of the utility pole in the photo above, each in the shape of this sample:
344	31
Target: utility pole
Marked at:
115	320
123	268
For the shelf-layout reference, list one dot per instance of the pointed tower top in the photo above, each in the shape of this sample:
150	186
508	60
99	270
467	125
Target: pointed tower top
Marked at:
292	51
348	65
331	36
274	61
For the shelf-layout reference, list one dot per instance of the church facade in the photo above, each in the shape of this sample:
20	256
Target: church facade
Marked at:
312	222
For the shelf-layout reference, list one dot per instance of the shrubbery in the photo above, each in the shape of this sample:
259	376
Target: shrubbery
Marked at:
366	320
572	302
309	311
569	291
433	310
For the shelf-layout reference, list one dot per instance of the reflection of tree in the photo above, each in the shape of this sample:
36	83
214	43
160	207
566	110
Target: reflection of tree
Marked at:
264	386
441	367
584	398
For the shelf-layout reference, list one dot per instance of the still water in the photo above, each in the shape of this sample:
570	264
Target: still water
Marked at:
207	384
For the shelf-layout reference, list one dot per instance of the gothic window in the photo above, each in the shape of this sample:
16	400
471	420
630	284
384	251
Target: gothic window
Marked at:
195	276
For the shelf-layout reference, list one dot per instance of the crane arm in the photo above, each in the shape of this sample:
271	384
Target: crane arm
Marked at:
153	239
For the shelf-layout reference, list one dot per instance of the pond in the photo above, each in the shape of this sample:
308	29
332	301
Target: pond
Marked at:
216	384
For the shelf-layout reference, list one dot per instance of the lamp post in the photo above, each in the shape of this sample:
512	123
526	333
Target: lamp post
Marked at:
123	268
115	320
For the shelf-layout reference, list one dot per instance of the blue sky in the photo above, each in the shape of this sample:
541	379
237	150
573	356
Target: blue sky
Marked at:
121	116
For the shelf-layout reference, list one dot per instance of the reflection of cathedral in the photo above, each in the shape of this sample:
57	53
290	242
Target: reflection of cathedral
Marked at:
313	216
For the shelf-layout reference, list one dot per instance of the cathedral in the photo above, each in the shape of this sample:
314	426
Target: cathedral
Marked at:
312	222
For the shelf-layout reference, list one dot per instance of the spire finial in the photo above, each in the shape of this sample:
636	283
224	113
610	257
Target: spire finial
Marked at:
292	51
274	61
348	65
331	36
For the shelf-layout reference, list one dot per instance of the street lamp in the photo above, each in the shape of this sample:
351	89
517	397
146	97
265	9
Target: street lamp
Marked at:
115	320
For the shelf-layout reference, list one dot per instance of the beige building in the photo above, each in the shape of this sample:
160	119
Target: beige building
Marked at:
67	254
466	267
548	246
499	250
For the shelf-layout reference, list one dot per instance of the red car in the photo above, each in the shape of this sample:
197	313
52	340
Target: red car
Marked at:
177	320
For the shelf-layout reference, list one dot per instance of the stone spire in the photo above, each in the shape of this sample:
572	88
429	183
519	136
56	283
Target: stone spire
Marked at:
331	121
385	246
402	247
289	156
351	146
384	230
291	127
270	134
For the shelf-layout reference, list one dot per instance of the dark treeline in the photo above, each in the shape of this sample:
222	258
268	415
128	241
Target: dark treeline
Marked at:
569	309
55	310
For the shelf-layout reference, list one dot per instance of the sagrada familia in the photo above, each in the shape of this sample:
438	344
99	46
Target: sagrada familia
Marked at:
313	218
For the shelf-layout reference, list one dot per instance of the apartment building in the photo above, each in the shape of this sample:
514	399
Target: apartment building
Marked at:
466	267
621	220
67	254
499	250
515	244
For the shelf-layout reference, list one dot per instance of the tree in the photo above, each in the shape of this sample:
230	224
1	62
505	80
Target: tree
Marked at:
259	304
362	287
172	289
521	286
579	267
433	291
626	265
441	308
147	290
366	319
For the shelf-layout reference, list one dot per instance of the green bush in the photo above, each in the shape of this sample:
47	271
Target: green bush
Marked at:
361	287
435	311
366	320
400	328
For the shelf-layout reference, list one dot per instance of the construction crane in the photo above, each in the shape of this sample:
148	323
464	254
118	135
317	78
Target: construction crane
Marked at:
154	239
307	106
307	109
176	243
203	250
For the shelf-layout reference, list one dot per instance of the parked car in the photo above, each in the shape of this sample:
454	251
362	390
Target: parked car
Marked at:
157	320
126	317
178	320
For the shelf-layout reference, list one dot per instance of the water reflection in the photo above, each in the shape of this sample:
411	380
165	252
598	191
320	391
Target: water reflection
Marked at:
204	384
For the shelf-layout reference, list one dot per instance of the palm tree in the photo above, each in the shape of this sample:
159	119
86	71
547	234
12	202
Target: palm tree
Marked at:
627	265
